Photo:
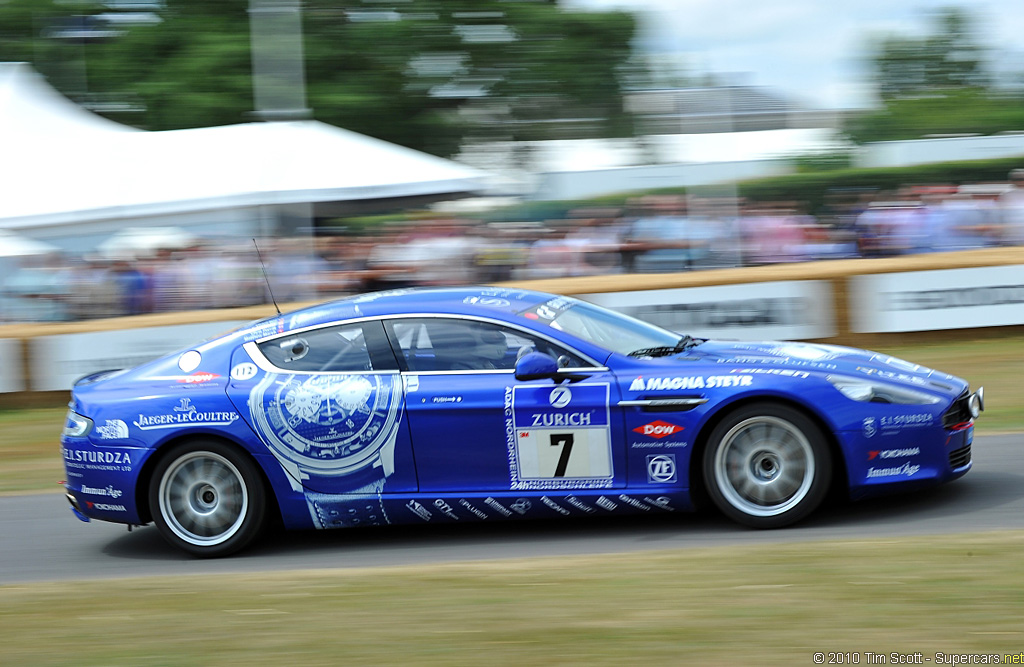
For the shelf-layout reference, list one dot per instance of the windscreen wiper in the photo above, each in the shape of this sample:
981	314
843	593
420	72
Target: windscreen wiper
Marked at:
684	344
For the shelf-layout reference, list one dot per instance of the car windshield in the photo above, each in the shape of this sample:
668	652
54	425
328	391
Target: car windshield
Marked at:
611	330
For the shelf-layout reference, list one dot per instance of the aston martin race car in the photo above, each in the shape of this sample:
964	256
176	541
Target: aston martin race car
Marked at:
483	404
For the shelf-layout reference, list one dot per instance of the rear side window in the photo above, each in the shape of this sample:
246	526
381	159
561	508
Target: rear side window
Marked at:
348	348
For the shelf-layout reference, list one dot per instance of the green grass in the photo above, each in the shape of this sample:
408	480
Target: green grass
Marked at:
30	450
751	605
29	439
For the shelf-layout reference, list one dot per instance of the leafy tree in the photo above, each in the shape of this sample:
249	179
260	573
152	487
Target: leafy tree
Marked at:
428	77
950	57
936	85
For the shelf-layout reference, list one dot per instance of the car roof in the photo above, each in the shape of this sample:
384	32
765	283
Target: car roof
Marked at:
480	301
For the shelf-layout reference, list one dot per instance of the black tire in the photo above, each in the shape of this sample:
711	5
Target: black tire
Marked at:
767	465
207	498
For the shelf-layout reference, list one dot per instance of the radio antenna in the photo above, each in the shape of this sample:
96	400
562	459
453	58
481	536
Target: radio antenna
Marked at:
265	276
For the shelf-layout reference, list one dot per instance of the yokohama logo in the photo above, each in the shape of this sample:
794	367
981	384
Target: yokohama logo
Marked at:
658	429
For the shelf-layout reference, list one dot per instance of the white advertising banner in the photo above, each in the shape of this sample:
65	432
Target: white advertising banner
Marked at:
11	366
57	361
781	310
935	300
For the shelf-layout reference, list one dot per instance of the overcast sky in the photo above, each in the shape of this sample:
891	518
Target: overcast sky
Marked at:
813	50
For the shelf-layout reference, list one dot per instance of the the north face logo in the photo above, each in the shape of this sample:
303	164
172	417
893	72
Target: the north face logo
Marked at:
658	429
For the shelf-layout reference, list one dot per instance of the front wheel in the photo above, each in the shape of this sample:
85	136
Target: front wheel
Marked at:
207	498
767	466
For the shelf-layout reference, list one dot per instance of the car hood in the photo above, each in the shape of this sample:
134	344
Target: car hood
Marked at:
829	359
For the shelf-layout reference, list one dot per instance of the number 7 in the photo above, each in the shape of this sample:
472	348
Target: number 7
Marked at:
563	440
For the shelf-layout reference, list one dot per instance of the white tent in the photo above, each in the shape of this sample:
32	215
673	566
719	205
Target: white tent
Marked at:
12	245
61	164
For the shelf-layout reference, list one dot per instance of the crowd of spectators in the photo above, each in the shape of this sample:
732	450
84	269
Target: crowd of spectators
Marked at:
664	233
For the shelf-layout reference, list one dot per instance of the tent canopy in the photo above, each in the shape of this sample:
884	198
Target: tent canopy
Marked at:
64	164
12	245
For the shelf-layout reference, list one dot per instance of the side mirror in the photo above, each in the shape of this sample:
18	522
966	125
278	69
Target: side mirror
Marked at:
535	366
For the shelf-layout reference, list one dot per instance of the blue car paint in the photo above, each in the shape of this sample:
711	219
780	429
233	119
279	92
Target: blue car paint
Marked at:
468	447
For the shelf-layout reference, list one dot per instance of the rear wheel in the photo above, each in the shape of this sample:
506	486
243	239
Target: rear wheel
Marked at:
207	498
767	465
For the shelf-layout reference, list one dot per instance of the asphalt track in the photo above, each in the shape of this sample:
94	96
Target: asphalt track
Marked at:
42	541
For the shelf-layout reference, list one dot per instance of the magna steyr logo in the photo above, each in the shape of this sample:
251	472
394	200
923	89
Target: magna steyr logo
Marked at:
697	382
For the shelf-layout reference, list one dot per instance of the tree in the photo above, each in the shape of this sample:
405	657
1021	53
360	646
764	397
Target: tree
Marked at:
427	75
948	58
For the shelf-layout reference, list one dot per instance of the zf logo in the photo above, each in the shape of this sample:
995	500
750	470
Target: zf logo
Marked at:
661	468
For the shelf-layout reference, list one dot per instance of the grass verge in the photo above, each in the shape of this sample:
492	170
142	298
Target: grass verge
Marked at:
30	459
763	605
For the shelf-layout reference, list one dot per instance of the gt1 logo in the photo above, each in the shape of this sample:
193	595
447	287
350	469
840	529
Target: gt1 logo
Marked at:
661	468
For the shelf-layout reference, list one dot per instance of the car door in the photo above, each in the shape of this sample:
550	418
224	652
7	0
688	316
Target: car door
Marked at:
475	427
329	406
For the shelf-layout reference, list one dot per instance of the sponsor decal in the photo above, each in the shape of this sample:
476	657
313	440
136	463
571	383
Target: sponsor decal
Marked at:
555	506
893	453
109	491
496	506
633	502
661	468
693	382
560	397
412	382
905	470
891	375
658	429
244	371
186	414
605	504
661	502
198	377
472	510
113	429
784	372
558	438
329	426
575	502
869	427
445	509
270	328
90	456
551	309
105	507
921	419
560	419
521	506
419	510
657	444
491	301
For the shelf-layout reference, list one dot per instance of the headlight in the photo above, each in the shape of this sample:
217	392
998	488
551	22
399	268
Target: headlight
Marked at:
76	426
976	402
872	391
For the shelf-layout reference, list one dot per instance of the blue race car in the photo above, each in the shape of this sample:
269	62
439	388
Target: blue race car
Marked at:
477	404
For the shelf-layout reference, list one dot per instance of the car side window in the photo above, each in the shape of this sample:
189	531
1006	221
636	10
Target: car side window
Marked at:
347	348
447	344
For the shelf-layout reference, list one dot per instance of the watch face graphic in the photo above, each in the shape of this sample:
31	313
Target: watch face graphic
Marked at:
327	424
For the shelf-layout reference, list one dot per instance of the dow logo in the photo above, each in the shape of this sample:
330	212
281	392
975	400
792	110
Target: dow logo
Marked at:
658	429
